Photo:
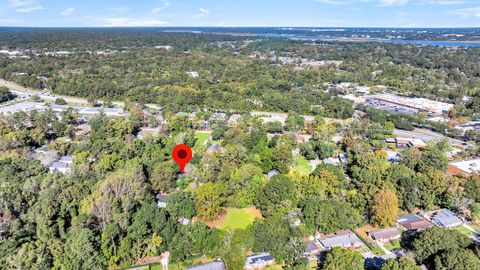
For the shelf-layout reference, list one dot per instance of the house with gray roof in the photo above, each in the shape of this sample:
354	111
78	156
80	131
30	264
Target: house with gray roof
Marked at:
161	200
215	265
58	167
272	173
66	159
213	148
446	219
346	239
234	119
259	261
62	165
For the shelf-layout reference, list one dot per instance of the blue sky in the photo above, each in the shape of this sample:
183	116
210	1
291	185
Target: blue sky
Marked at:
315	13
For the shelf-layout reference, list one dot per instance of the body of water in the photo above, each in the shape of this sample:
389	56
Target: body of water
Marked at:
401	41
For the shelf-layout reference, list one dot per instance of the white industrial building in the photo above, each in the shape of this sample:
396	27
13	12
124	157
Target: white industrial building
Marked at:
464	166
420	104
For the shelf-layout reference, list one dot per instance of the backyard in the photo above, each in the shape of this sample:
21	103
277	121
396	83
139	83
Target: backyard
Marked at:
235	218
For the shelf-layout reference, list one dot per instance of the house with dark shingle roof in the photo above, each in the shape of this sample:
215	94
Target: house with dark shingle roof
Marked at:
259	261
414	222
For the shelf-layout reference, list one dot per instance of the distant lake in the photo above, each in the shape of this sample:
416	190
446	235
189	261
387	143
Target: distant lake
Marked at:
401	41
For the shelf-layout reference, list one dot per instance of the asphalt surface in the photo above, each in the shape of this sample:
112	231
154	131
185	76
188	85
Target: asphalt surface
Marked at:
426	136
23	92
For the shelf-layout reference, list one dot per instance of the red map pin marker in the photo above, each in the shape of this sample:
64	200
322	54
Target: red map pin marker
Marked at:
182	155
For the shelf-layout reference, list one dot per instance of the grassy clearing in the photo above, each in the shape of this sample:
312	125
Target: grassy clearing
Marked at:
202	137
463	230
393	245
274	267
235	218
303	165
239	218
475	227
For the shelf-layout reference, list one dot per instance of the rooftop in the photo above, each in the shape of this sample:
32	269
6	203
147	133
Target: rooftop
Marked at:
387	233
347	238
259	258
467	166
22	107
216	265
446	218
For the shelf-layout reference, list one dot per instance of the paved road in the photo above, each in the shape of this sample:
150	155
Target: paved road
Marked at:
26	93
426	135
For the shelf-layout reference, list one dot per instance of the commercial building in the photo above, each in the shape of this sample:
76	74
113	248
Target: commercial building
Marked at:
25	106
28	106
464	166
408	105
474	125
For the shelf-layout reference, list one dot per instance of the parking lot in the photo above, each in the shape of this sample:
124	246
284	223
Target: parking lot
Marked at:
391	107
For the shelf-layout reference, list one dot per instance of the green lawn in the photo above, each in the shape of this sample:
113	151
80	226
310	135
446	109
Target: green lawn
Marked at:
393	245
238	218
303	165
475	227
202	137
463	230
274	267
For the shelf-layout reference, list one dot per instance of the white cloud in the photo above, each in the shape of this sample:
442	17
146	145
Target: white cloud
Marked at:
29	9
163	5
392	2
446	2
25	6
20	3
467	12
129	22
201	13
332	2
67	11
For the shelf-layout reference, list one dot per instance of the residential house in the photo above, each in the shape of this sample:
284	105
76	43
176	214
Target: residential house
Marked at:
62	165
213	148
446	219
385	235
234	119
416	143
346	239
43	150
215	265
259	261
66	159
161	200
58	167
406	142
272	173
413	222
